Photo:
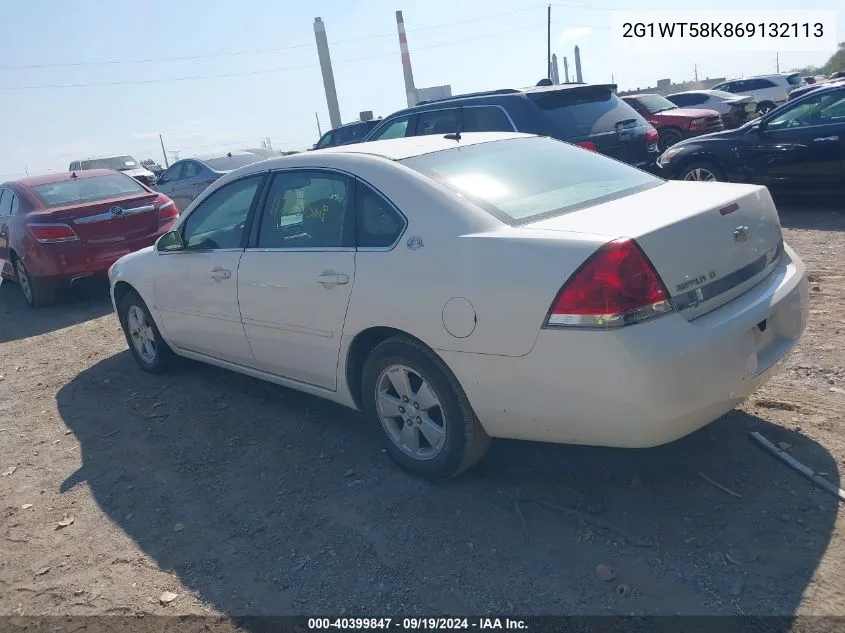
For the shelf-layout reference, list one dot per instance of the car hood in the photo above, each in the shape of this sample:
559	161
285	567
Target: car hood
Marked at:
684	114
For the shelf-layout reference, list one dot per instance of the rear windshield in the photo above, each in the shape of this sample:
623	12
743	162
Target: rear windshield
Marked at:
78	190
584	111
527	179
228	163
118	163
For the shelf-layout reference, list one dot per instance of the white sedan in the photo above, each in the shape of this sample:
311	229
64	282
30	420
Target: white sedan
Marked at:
465	287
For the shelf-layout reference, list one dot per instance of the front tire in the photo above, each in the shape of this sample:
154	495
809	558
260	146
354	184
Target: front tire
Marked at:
428	423
149	349
668	138
36	292
702	172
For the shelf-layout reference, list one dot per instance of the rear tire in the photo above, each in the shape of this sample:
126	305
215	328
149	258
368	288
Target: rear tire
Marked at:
149	349
668	138
37	292
434	433
702	171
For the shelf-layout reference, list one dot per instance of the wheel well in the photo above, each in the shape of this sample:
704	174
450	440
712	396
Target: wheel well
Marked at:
360	348
121	288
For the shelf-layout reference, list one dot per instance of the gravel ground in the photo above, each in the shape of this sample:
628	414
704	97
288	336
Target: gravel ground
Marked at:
243	498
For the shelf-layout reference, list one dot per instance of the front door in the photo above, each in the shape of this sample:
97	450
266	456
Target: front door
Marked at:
804	143
294	285
196	287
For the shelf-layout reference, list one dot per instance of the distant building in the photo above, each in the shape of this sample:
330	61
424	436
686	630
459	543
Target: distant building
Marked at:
435	92
666	87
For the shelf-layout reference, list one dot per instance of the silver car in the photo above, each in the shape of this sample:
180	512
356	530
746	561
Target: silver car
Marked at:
185	179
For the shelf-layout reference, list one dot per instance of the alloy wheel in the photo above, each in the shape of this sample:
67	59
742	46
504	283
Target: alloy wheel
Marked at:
23	280
411	412
701	174
141	333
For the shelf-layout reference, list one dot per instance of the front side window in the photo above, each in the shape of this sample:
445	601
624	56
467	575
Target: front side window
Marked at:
218	222
172	174
350	134
78	190
393	129
13	210
325	140
379	225
486	119
823	109
5	203
439	122
307	209
192	170
526	179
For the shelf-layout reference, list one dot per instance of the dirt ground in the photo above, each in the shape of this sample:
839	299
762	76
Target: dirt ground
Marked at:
243	498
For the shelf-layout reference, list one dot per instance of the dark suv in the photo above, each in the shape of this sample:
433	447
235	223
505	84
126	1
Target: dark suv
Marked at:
346	134
591	116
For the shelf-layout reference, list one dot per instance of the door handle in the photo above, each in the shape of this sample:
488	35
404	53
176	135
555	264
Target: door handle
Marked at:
219	274
330	278
825	139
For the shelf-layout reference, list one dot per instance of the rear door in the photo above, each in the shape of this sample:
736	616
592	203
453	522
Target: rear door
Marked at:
594	114
442	121
195	178
294	283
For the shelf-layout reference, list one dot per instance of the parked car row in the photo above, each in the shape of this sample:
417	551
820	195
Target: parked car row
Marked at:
125	164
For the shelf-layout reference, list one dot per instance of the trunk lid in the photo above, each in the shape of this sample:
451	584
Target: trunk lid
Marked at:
709	242
107	221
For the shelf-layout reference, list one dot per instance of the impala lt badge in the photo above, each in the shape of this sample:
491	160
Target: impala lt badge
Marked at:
741	234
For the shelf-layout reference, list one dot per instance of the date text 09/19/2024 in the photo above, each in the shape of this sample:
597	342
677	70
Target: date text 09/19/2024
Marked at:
416	624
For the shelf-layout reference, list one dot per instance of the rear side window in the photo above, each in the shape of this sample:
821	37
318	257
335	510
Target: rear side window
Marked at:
794	80
378	224
486	119
439	122
397	128
758	84
192	170
77	190
5	202
526	179
585	111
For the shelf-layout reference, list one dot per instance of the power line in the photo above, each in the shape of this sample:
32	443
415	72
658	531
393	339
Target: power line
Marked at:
259	51
260	72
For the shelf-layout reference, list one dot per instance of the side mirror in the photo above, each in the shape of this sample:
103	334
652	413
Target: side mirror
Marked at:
170	242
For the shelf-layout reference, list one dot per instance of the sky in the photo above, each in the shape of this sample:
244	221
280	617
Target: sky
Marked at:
92	77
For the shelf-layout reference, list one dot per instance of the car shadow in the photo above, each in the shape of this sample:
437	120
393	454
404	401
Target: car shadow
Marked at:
265	501
73	305
818	213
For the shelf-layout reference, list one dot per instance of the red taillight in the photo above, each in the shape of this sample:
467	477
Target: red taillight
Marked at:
651	136
588	145
50	233
616	286
167	212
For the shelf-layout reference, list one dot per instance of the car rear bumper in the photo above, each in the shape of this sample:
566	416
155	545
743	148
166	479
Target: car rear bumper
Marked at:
644	385
67	261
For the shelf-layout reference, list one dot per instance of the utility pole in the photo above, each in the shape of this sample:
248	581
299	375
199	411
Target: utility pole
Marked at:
777	62
319	131
549	43
166	164
696	73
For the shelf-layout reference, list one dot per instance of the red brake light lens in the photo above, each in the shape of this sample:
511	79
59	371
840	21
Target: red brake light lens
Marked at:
651	136
616	286
51	233
167	212
588	145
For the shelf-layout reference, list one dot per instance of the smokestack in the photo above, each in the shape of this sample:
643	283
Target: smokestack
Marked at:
410	89
555	76
326	68
578	65
566	70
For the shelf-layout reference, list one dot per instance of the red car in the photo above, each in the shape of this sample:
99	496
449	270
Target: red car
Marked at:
674	124
60	228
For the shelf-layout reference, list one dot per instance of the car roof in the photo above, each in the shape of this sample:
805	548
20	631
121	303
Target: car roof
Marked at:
62	176
81	160
401	148
206	157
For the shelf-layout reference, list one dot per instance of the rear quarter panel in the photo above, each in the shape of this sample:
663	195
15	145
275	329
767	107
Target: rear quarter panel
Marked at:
509	275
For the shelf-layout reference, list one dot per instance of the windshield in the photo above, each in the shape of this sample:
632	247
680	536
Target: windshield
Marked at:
79	190
228	163
118	163
655	103
525	179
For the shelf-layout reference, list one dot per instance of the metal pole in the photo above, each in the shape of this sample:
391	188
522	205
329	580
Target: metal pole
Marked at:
549	43
319	131
163	153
